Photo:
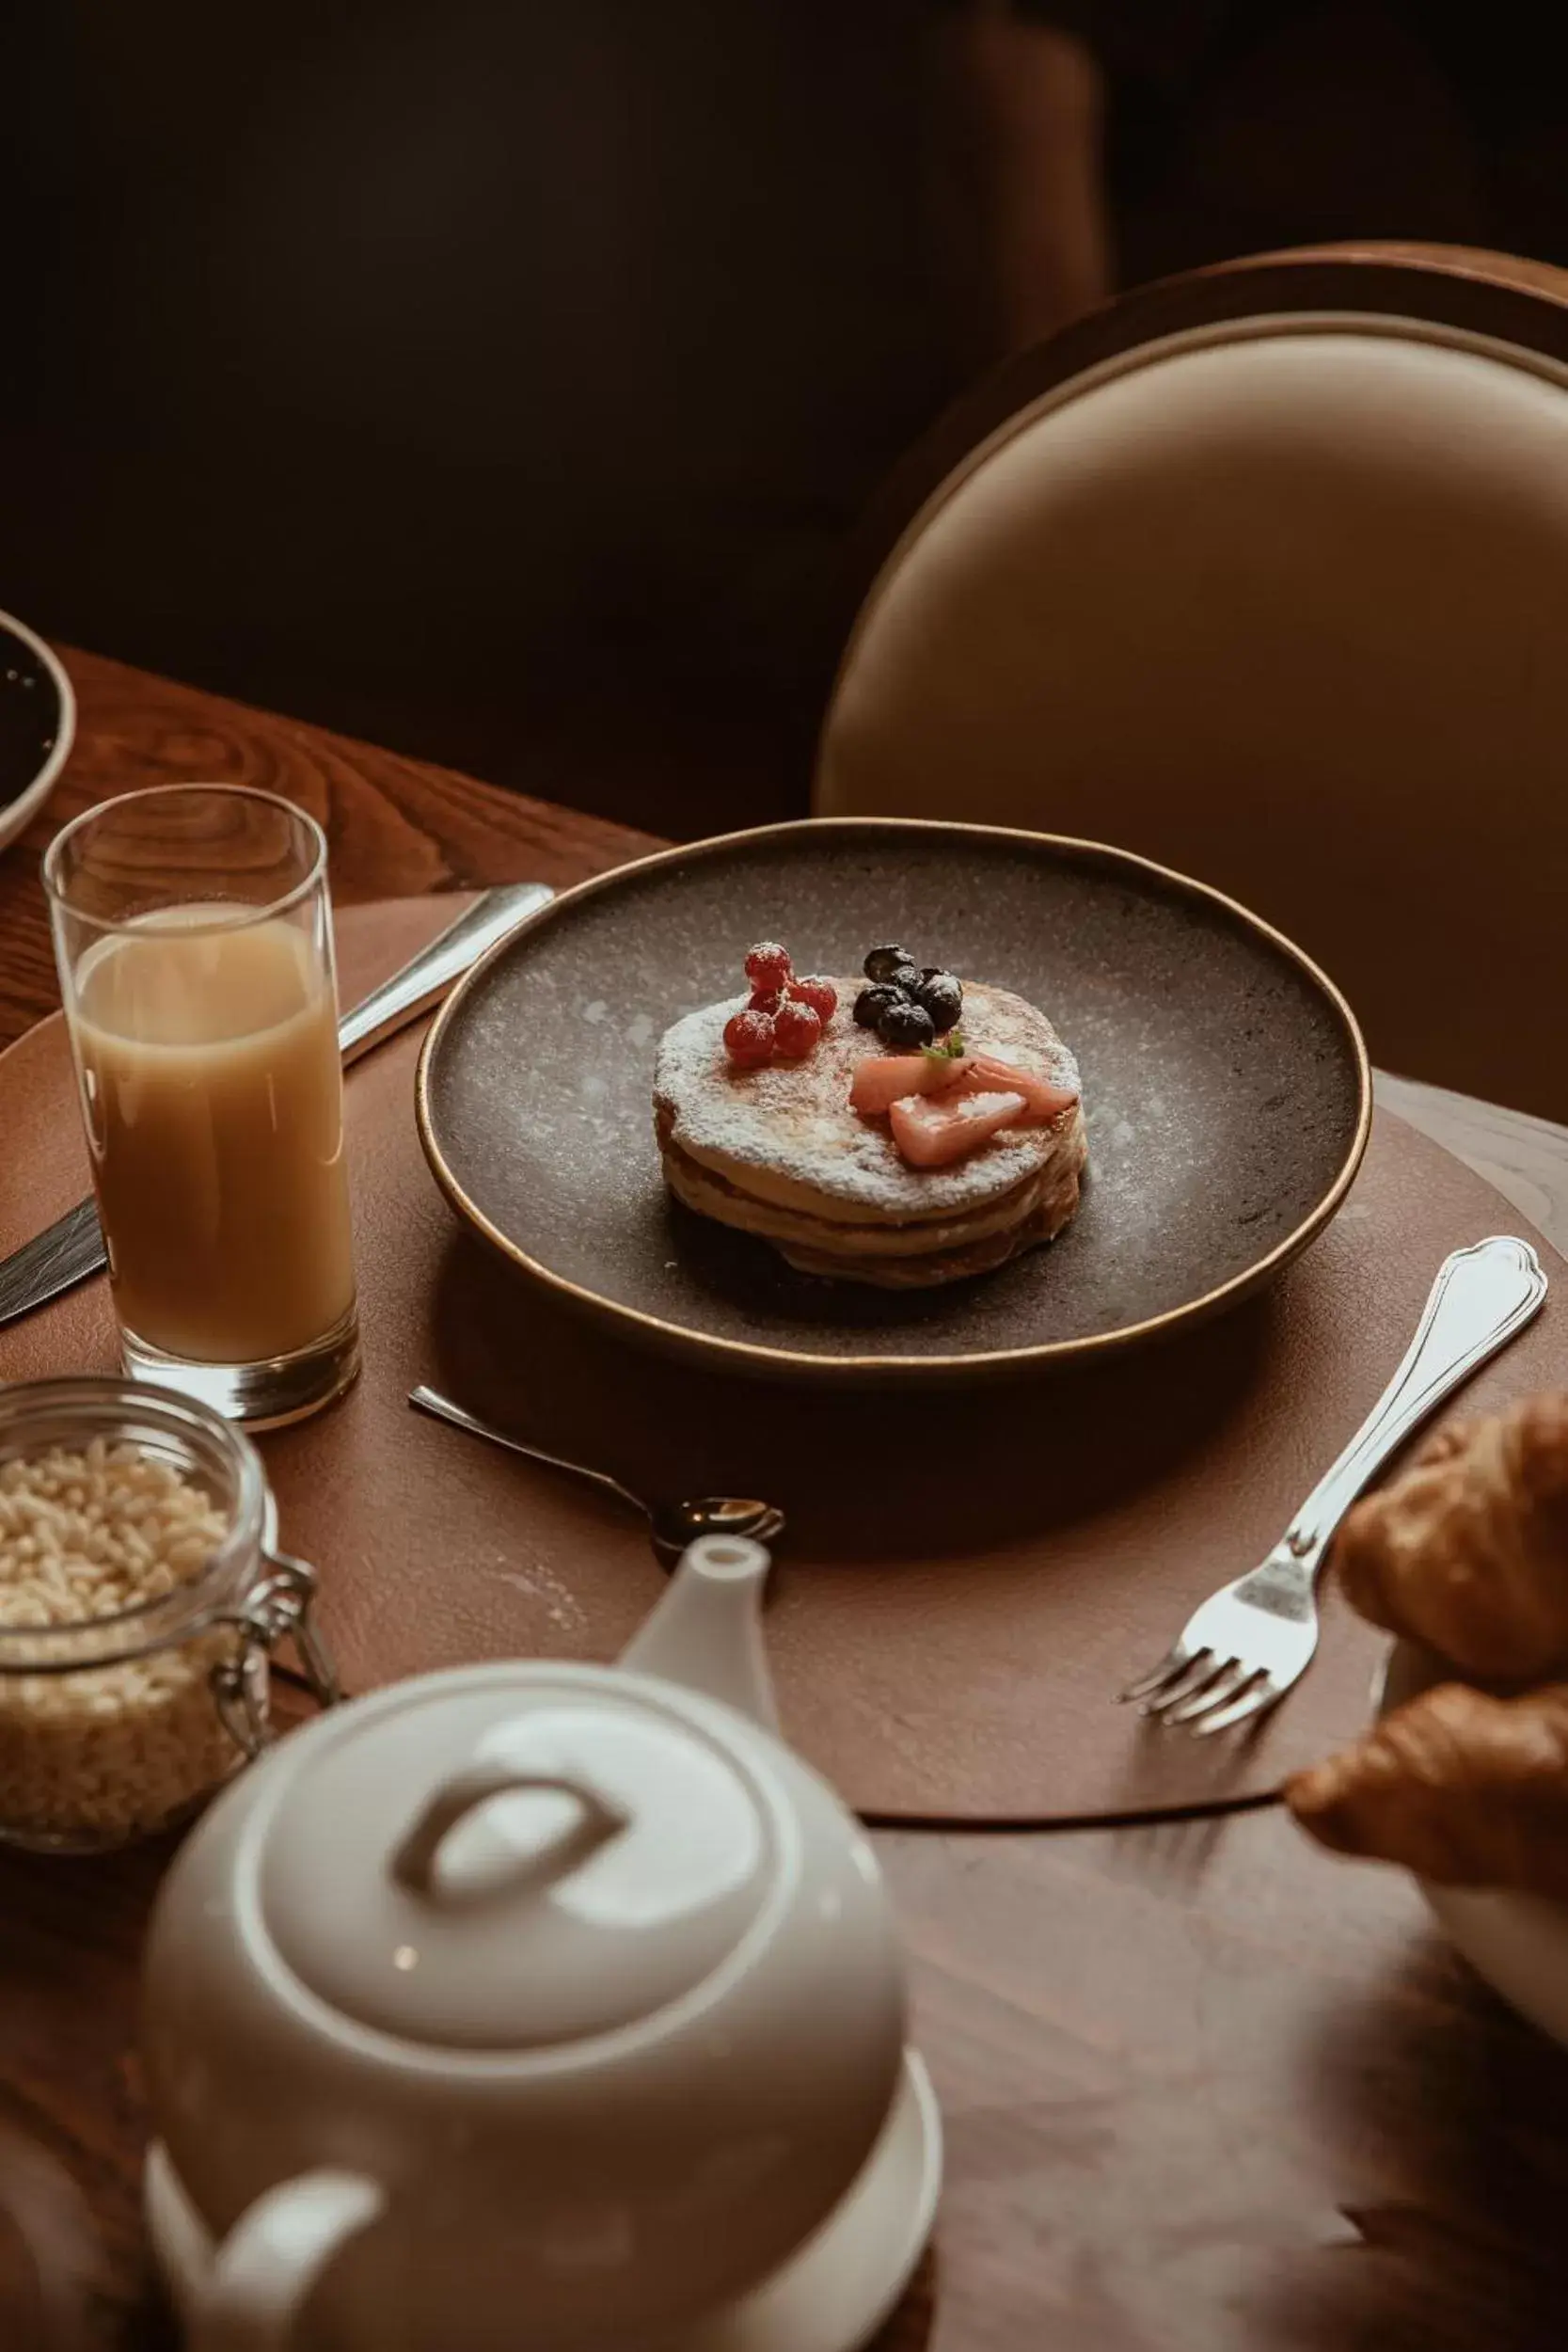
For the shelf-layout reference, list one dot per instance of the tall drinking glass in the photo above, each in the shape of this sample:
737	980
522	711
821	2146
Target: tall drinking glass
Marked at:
194	938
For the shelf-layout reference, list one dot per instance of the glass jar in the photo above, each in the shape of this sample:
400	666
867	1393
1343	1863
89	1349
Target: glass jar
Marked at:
120	1716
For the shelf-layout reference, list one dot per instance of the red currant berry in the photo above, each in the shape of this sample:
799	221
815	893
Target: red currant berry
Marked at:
768	965
748	1039
796	1030
821	995
766	1000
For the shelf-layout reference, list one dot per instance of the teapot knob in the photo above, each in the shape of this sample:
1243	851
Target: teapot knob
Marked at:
597	1820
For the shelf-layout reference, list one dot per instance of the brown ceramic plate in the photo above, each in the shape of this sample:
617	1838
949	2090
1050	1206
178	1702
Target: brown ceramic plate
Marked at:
1224	1082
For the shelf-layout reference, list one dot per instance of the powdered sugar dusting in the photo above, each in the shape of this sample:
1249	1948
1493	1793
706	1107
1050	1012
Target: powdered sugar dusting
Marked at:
792	1122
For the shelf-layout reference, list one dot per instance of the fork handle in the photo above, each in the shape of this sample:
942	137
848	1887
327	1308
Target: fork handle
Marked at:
1482	1296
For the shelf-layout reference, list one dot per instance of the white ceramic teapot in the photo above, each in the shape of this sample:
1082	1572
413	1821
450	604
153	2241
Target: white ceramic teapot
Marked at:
532	2005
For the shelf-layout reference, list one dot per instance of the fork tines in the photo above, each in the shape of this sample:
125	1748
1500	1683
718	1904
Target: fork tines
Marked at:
1208	1693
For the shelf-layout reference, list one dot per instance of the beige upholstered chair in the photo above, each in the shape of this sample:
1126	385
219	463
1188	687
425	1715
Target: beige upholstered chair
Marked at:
1264	573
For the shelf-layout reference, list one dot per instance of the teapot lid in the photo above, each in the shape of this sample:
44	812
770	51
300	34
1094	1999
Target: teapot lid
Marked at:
509	1858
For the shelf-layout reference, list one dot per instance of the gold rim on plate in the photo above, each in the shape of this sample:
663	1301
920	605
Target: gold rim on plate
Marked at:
689	1339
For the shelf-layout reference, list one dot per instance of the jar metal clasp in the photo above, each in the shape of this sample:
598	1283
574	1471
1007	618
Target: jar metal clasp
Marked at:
280	1606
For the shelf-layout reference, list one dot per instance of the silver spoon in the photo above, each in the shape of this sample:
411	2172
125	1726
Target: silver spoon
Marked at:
671	1525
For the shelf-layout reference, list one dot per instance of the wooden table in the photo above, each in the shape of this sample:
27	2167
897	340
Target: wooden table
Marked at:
1206	2089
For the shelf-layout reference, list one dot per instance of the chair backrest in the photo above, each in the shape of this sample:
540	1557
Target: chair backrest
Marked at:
1264	573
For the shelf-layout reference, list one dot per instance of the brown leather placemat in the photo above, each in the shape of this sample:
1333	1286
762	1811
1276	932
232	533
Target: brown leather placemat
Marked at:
968	1577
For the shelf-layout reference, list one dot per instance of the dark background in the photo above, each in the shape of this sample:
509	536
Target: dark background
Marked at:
500	380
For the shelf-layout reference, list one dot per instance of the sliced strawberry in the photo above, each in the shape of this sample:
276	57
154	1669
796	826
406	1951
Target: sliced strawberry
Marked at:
1042	1098
931	1130
882	1079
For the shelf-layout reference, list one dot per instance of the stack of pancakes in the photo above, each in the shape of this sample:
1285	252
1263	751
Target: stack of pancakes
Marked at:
778	1152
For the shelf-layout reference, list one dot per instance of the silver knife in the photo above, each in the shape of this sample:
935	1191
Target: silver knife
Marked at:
69	1251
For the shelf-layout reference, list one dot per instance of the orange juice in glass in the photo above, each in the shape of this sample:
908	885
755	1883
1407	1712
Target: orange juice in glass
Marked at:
192	935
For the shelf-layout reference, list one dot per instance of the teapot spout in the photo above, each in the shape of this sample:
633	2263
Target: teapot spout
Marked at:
706	1629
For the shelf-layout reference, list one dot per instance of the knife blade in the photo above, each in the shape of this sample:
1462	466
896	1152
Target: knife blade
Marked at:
65	1252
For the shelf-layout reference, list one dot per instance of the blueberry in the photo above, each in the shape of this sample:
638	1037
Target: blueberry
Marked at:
943	997
872	1003
905	977
884	963
905	1027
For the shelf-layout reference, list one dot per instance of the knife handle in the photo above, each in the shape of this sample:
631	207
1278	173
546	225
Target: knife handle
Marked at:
424	980
62	1255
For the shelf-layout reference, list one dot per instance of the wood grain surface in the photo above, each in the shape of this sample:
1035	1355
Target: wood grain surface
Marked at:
396	826
1206	2089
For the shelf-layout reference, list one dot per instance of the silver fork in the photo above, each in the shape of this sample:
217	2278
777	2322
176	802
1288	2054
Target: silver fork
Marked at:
1242	1650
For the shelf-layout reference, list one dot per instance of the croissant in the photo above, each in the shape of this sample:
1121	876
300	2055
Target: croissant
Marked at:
1457	1785
1468	1551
